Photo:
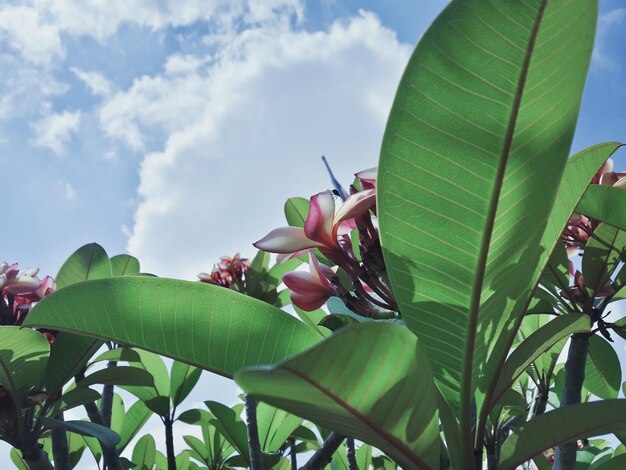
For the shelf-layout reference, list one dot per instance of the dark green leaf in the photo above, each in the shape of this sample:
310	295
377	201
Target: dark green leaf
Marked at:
605	203
231	426
182	381
103	434
563	425
119	375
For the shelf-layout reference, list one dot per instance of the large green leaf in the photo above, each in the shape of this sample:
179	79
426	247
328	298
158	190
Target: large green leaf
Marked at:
605	203
535	345
603	373
371	381
208	326
475	145
86	428
23	358
562	425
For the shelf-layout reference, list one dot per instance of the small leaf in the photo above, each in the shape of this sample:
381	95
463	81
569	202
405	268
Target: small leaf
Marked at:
602	256
88	262
182	381
144	453
74	398
605	203
134	419
119	375
535	345
560	426
23	358
603	373
195	416
124	265
231	426
296	211
86	428
117	355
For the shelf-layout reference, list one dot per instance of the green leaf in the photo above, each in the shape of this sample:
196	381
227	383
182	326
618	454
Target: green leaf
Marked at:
156	395
23	359
144	453
603	373
68	355
118	354
371	381
207	326
364	456
119	375
182	381
560	426
231	426
195	416
275	426
296	211
77	447
469	170
605	250
336	321
86	428
605	203
536	344
615	463
198	449
313	320
124	265
74	398
276	273
18	461
134	419
88	262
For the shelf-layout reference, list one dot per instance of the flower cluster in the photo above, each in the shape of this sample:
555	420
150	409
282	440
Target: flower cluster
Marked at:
579	228
330	231
229	272
19	291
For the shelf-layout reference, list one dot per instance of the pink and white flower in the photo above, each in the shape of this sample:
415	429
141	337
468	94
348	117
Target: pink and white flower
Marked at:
310	290
322	226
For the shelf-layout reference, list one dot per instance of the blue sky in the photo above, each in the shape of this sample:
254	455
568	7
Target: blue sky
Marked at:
176	133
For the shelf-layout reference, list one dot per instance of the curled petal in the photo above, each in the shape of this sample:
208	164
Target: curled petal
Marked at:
285	240
310	290
46	287
620	183
21	285
319	222
307	303
367	178
355	205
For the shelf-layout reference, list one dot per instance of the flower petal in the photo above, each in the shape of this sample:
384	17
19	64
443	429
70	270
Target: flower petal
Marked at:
319	222
285	240
21	285
367	178
355	205
307	303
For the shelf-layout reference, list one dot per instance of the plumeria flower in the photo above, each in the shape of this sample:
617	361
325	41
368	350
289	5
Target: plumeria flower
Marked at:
367	178
322	226
14	281
227	272
309	291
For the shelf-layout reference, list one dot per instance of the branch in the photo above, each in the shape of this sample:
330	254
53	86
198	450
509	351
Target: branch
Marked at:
324	455
256	457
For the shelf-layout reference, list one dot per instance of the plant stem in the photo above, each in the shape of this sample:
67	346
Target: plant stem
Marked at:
351	454
324	455
256	461
106	404
60	447
36	458
293	453
169	443
565	456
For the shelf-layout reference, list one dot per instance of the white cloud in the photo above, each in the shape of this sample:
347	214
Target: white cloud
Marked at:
70	192
247	130
606	22
95	82
54	130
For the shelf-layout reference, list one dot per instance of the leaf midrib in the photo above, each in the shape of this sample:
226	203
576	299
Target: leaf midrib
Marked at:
390	438
466	374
